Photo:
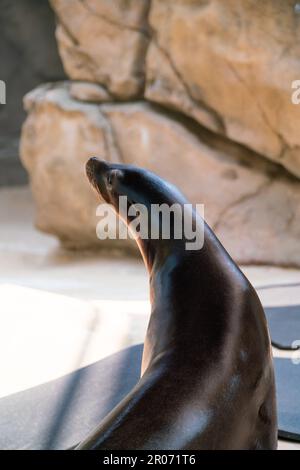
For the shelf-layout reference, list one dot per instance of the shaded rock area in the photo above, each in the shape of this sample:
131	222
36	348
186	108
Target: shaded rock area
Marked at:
28	56
252	203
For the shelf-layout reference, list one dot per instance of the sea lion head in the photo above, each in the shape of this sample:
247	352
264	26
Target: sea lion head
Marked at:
140	186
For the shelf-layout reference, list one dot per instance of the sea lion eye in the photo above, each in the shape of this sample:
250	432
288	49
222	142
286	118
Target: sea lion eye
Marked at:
109	180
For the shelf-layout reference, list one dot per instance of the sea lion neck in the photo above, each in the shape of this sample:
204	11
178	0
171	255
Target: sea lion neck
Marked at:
158	253
171	290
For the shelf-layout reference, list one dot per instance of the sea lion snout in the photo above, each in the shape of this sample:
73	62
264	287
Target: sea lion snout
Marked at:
96	171
95	168
103	176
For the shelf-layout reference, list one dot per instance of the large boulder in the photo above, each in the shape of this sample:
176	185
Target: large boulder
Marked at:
251	203
104	42
230	65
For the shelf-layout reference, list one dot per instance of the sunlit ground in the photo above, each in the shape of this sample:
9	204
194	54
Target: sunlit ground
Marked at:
61	311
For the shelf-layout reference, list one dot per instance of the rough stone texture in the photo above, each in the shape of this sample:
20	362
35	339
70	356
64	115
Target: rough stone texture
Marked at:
230	66
104	42
90	92
253	204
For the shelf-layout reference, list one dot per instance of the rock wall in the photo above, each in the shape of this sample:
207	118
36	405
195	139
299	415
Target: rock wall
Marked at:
198	91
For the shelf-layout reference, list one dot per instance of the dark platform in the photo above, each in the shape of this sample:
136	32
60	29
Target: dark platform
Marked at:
284	324
60	413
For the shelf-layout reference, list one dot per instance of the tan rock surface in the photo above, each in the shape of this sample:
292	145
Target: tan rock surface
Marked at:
58	137
90	92
252	204
230	65
104	42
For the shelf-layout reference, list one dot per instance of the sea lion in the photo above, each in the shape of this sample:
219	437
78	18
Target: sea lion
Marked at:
207	377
